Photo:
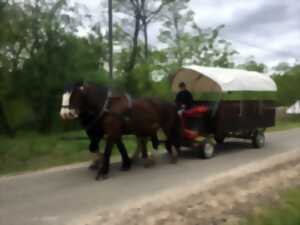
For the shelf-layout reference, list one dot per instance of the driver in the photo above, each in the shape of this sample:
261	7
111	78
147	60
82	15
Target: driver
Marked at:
184	98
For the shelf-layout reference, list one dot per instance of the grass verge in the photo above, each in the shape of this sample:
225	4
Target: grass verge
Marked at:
32	151
286	123
286	212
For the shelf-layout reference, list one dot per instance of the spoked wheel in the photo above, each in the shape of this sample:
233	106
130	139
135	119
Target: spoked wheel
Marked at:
258	140
207	149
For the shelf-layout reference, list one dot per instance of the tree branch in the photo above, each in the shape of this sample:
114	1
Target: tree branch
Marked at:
159	8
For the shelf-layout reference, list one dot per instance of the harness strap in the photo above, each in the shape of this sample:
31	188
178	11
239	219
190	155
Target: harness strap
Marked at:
106	109
105	106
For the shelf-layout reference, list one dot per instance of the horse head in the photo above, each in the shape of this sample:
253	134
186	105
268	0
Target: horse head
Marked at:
72	100
80	98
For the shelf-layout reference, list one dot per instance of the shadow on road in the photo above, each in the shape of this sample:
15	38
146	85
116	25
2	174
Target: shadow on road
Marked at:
162	160
229	147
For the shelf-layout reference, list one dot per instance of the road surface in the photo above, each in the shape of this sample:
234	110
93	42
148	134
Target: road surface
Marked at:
60	196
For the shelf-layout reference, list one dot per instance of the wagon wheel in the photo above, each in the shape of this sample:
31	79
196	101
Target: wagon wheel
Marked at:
207	149
258	139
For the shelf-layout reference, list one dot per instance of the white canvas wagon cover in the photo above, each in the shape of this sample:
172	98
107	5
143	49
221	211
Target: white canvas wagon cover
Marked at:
213	79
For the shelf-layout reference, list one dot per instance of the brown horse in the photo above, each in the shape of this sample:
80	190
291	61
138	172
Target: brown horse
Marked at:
118	115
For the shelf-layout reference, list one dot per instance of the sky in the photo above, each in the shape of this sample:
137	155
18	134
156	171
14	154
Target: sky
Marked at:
268	30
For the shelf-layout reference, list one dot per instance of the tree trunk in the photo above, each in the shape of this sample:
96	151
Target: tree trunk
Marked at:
146	44
178	42
145	31
134	52
4	123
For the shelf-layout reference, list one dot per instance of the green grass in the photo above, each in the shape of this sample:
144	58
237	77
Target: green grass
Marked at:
286	123
32	151
287	212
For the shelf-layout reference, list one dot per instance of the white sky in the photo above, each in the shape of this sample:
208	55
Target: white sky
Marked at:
269	30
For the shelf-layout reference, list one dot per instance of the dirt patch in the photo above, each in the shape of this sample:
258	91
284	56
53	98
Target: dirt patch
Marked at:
222	200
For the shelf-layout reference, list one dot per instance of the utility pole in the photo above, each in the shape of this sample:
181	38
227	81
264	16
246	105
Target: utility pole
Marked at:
110	37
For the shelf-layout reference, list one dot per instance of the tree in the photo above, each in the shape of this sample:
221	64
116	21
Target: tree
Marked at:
132	11
12	45
138	14
151	10
174	34
252	65
288	86
209	49
282	67
187	43
39	53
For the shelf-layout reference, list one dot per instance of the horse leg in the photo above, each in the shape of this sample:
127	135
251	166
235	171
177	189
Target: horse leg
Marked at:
154	150
155	142
104	169
176	132
136	155
126	162
148	162
97	159
94	150
171	149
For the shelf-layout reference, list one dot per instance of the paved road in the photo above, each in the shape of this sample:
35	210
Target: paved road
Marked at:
58	197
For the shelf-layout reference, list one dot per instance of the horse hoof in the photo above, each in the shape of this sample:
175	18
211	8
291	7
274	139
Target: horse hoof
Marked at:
95	165
149	163
101	177
134	159
173	160
126	167
123	168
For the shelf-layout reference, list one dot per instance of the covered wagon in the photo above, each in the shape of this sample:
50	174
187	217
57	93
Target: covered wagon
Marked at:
228	103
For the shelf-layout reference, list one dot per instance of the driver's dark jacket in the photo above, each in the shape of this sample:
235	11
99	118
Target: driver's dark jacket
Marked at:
184	98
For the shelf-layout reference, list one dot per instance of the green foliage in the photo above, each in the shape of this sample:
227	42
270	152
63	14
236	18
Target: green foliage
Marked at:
282	67
39	54
288	122
252	65
288	86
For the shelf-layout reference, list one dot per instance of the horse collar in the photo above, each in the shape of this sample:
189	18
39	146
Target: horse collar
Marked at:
103	110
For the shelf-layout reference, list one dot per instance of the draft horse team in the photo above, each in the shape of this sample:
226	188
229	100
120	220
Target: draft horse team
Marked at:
101	113
229	103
